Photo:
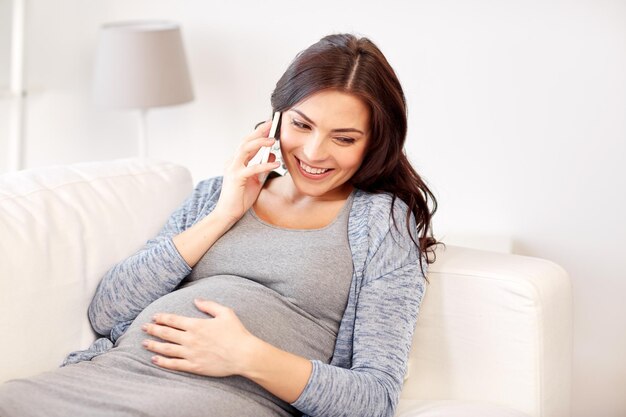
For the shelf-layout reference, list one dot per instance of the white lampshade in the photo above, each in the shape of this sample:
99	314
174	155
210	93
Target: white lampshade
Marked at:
141	64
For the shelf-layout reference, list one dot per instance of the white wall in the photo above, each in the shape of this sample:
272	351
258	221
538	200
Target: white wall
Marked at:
517	120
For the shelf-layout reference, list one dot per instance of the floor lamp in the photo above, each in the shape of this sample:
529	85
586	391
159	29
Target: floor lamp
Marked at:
141	65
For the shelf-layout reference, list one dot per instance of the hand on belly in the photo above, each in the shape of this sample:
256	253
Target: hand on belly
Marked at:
257	309
214	346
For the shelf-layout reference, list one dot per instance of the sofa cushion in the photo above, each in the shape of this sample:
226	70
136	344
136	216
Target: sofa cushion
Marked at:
449	408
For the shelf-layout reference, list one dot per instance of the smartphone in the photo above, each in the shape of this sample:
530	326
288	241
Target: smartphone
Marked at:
263	155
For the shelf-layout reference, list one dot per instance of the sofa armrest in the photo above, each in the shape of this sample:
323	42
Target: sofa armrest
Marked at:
497	328
61	229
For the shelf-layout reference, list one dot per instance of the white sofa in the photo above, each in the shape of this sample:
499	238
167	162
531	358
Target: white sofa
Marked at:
493	335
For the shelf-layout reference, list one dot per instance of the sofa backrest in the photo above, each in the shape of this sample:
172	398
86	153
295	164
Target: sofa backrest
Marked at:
61	229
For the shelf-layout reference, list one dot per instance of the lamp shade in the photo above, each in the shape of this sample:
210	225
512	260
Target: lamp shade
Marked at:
141	64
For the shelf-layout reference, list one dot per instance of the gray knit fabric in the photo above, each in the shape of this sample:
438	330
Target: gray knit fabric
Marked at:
288	287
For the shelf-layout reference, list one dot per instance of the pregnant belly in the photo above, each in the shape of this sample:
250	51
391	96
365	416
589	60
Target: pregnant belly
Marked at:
264	312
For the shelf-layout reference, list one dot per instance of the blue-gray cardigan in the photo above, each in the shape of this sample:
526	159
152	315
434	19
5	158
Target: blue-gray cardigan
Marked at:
366	373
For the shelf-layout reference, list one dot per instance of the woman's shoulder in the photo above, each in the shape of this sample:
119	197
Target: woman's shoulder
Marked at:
382	218
380	207
379	233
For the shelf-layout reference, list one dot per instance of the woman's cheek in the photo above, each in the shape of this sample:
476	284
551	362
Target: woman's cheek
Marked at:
288	140
285	132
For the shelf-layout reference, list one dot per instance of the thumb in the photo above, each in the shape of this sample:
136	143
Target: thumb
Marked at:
213	308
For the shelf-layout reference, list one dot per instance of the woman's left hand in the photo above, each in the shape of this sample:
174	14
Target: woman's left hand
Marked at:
213	346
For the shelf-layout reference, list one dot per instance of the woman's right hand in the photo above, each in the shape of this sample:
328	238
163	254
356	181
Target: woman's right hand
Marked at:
241	185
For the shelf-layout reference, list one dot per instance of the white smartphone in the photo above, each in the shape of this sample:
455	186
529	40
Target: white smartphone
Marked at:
263	155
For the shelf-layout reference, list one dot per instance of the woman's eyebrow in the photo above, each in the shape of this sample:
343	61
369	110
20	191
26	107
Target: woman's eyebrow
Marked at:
345	129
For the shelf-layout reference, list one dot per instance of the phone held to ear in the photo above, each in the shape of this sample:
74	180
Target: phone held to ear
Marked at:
263	155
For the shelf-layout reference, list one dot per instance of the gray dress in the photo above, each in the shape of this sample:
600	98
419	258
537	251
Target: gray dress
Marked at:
289	287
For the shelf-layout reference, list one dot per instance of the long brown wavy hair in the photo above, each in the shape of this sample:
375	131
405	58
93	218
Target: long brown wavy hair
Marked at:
356	66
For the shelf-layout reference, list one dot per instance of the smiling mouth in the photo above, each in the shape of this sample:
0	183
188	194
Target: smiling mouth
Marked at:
312	170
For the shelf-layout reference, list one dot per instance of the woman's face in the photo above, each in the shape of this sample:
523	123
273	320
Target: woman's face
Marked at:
323	140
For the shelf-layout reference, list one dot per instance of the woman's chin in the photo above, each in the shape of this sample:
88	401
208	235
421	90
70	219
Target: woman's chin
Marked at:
328	189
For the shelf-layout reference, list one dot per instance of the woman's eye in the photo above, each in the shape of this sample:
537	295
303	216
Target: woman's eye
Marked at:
299	125
341	139
347	141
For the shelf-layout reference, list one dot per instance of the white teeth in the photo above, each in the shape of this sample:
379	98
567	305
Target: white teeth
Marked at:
312	170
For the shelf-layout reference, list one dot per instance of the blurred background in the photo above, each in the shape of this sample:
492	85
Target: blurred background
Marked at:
517	121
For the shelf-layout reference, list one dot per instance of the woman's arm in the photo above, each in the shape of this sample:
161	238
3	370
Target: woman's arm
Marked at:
383	331
153	271
193	243
166	260
282	373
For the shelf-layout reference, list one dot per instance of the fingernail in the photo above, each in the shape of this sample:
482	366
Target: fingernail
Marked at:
144	343
144	327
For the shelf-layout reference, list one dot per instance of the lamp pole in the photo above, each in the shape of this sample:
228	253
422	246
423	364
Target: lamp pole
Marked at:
17	93
143	133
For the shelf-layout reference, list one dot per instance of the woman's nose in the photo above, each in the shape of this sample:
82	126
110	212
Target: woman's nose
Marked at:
315	148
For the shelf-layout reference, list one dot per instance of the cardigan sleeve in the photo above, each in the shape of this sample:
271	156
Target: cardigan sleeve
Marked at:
153	271
386	314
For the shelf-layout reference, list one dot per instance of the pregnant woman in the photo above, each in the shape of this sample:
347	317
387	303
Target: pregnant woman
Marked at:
297	295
